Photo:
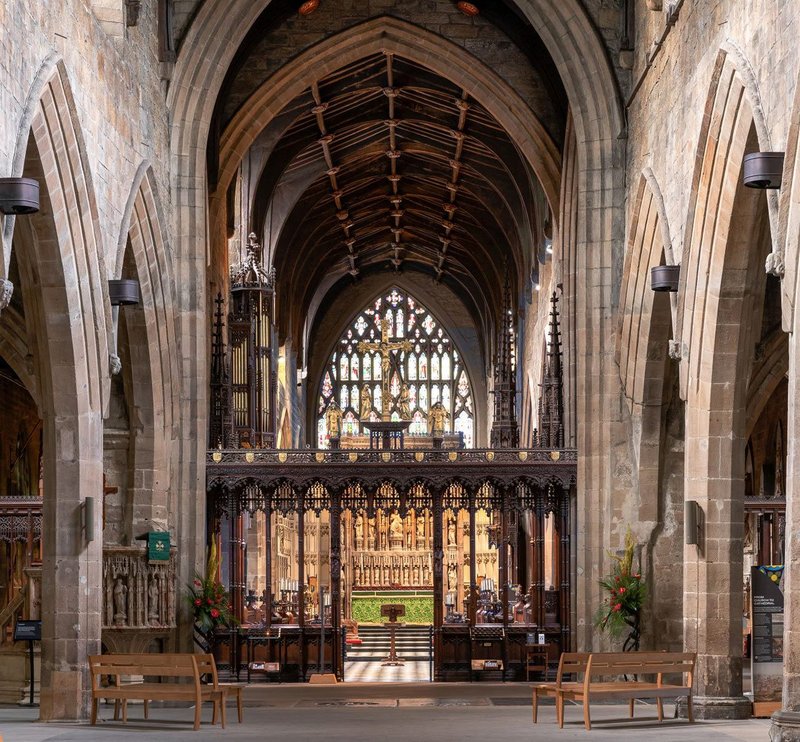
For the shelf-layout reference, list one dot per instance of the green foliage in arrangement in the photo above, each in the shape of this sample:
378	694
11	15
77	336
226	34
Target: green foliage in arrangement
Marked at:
209	600
625	594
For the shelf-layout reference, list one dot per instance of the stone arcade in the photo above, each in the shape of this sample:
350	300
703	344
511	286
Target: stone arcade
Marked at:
396	337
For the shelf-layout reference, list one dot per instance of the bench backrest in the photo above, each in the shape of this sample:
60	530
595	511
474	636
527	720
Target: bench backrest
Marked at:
166	665
571	662
207	666
609	664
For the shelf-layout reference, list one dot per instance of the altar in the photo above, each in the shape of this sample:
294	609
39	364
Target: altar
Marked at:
365	605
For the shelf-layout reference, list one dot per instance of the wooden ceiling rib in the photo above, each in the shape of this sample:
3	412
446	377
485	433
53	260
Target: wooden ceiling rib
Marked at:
390	166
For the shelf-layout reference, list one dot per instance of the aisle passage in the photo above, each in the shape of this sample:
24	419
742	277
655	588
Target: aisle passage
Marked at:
364	662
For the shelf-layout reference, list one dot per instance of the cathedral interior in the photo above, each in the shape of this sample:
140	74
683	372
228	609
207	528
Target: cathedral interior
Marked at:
371	309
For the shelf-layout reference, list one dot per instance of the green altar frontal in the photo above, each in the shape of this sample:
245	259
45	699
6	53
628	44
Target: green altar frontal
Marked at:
366	605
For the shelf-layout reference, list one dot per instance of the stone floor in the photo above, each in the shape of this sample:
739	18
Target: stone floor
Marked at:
369	712
376	672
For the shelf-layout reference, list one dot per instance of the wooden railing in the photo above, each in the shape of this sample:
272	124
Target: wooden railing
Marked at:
9	614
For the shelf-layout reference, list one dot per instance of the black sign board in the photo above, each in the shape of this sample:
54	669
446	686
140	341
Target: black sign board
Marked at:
28	631
767	615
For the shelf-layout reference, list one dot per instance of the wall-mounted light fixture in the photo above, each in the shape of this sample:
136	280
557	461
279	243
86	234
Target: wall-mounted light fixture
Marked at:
308	7
470	9
121	292
692	515
88	518
763	170
665	277
19	196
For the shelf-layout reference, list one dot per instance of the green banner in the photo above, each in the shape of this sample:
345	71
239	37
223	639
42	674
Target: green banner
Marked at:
158	546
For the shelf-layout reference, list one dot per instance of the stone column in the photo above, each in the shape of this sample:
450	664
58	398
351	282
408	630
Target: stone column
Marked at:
71	565
712	576
786	722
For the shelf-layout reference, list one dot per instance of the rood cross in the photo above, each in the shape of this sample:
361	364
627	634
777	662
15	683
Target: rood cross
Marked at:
385	348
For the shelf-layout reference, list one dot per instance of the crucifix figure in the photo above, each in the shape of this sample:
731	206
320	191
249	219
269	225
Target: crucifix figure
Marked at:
385	348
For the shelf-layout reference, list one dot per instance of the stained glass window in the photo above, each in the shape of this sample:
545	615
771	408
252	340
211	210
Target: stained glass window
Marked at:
432	369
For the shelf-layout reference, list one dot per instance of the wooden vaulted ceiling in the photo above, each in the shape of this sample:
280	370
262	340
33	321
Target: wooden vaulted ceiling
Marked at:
387	166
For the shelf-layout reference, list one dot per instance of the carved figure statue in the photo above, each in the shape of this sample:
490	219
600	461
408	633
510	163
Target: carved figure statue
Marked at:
371	537
153	594
415	574
452	577
437	418
404	403
120	601
333	419
396	527
359	529
451	532
366	403
420	530
357	574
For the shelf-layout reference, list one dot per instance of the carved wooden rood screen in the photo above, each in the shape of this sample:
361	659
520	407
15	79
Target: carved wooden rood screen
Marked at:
522	496
313	543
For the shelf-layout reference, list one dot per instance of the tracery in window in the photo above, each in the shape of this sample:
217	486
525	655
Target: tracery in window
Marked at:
433	371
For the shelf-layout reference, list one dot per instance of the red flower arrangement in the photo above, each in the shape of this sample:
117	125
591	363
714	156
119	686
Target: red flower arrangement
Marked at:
208	598
626	593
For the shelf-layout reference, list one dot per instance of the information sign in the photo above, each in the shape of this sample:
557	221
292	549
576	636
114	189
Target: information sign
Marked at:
28	631
767	637
158	546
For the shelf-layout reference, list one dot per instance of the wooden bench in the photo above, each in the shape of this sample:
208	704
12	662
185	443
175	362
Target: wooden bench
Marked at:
188	666
600	667
570	663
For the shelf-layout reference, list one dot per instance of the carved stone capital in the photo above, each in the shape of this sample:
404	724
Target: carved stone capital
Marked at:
774	264
675	350
6	292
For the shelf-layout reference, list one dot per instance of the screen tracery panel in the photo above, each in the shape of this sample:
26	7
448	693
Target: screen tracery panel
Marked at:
433	371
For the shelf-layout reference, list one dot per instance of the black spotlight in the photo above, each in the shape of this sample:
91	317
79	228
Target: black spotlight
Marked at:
19	196
763	170
123	292
665	277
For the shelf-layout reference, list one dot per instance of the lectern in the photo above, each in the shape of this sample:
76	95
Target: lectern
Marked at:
393	611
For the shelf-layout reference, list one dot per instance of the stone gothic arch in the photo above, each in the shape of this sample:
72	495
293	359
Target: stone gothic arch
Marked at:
789	221
581	59
152	353
646	327
61	262
720	279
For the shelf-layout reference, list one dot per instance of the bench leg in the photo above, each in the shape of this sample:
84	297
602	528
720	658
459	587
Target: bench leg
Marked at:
630	707
116	710
198	710
560	710
223	702
535	706
124	710
587	719
239	704
95	702
689	711
660	707
213	712
146	710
